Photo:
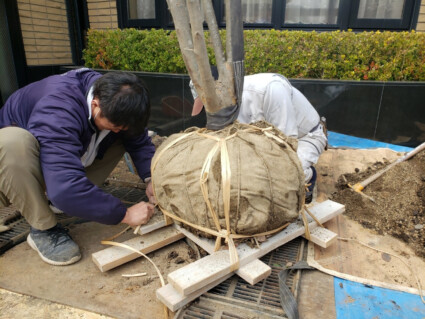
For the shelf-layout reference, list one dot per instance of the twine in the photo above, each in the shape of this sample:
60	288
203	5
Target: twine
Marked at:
226	176
418	283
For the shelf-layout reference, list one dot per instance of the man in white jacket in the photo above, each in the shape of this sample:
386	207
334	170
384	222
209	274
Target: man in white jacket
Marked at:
270	97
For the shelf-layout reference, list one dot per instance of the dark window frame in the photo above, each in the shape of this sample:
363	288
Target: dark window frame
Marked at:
347	18
382	24
125	22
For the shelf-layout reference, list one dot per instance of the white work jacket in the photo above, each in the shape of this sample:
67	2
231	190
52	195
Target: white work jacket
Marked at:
270	97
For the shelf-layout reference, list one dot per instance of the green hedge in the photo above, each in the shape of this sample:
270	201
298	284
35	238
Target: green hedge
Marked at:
383	56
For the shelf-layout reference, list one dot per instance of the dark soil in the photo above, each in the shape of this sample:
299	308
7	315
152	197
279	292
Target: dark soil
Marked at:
399	207
122	176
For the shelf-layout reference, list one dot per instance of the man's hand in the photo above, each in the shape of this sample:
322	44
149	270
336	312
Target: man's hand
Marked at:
149	194
138	214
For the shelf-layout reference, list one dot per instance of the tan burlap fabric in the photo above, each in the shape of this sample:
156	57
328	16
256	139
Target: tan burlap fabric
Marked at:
250	172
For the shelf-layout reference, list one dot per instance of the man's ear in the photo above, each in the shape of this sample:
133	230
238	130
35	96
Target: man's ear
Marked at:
197	106
95	107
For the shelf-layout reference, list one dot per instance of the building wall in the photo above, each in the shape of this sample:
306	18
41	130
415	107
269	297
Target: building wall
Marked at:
103	14
45	32
421	19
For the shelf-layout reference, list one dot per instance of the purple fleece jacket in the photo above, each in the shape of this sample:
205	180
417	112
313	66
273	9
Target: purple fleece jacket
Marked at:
55	111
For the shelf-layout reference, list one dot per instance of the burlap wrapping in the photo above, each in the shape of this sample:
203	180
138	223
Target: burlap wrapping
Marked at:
266	179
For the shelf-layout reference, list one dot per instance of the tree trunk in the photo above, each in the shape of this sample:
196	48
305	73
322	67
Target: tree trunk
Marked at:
188	21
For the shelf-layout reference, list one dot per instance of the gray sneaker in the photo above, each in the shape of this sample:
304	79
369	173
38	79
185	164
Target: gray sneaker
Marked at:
54	246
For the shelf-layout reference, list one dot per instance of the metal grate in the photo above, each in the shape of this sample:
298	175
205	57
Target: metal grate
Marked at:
199	312
236	299
128	195
20	228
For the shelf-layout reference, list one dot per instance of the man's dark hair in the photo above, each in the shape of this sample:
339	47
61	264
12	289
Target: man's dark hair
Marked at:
124	100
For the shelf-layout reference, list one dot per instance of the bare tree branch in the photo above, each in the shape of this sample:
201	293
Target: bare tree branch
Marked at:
182	25
215	35
235	44
188	21
209	97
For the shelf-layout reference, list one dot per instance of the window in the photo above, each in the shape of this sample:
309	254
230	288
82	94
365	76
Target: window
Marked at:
141	13
382	14
257	11
288	14
380	9
311	11
141	9
253	11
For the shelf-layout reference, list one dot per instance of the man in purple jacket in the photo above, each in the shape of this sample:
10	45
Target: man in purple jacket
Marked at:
60	138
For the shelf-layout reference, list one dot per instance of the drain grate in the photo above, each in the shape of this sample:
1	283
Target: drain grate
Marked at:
236	299
128	195
19	228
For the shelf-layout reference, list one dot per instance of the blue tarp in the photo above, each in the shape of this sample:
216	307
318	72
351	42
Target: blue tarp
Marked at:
357	301
342	140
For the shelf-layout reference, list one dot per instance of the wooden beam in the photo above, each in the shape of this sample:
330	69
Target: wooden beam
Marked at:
192	277
319	235
174	300
157	221
146	229
204	243
323	237
252	272
112	257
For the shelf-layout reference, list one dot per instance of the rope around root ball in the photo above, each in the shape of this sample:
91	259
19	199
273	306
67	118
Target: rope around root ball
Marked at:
221	146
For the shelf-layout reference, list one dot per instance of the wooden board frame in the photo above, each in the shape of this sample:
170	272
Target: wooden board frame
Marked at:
112	257
189	282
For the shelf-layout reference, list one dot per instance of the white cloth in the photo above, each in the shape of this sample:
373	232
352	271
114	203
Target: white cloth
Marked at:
91	152
270	97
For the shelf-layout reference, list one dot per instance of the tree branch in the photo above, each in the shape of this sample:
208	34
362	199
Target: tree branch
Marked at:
181	23
209	97
215	35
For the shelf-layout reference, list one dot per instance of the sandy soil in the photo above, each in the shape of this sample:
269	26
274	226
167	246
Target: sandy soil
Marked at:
399	200
111	294
122	175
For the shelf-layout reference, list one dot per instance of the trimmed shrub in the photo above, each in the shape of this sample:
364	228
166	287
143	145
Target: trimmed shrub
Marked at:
383	56
135	50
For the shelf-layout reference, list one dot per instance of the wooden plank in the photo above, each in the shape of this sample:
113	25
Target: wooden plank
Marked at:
146	229
112	257
323	237
252	272
319	235
204	243
157	221
192	277
174	300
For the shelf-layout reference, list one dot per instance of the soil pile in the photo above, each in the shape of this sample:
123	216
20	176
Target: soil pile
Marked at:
399	207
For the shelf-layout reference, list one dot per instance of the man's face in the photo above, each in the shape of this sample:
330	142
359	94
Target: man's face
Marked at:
101	122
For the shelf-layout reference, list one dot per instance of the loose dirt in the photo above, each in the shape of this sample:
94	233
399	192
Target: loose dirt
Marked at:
399	194
122	175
